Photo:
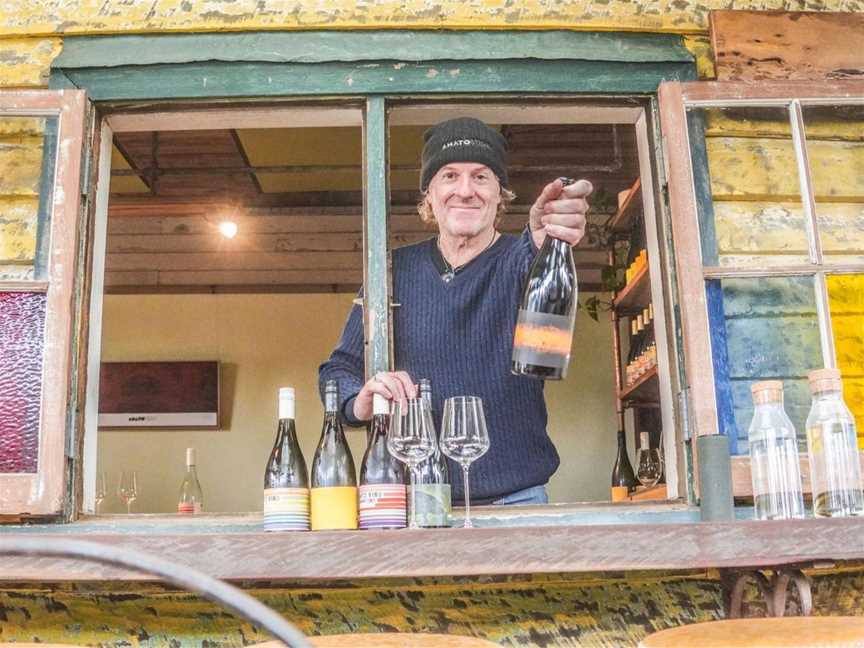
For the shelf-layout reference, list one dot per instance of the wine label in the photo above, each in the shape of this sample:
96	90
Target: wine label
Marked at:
432	504
334	507
620	493
383	506
543	339
286	509
189	507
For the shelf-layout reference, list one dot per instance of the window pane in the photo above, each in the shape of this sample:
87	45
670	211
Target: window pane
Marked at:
768	330
835	146
846	298
22	327
27	148
747	191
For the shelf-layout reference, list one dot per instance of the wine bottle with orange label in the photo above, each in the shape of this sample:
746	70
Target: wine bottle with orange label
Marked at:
547	314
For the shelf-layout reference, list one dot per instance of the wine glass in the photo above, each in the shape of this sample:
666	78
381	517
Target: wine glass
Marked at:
649	467
101	490
411	439
464	438
127	488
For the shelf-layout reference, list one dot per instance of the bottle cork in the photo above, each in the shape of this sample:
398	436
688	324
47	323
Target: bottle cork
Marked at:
824	380
767	391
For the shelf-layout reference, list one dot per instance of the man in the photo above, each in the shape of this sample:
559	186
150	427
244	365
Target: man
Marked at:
459	295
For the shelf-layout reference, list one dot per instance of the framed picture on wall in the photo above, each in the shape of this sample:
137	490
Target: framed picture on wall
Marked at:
159	395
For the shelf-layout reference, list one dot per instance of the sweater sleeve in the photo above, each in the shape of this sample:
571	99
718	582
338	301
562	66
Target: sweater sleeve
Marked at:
346	366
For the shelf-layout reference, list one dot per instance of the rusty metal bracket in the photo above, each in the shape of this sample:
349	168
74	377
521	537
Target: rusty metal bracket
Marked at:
773	587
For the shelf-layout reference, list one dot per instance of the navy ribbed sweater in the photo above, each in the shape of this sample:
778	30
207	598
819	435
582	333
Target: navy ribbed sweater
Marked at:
459	335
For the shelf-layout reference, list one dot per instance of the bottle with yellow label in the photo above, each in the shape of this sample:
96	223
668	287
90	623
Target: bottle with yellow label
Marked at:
333	497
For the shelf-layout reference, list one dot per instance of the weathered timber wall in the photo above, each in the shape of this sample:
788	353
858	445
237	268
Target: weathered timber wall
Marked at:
603	610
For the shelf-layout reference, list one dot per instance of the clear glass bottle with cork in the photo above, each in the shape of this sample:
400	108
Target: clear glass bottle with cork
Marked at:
774	467
835	474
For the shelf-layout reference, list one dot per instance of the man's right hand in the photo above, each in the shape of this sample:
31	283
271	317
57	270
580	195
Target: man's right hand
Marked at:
392	385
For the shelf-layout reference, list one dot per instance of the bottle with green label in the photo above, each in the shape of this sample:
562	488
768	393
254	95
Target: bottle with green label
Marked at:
432	490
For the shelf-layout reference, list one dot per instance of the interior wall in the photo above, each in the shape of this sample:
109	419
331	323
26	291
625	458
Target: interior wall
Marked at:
267	341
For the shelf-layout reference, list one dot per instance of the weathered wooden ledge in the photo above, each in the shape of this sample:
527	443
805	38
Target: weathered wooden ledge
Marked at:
527	540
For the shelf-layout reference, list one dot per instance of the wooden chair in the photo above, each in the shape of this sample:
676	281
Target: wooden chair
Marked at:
388	640
772	632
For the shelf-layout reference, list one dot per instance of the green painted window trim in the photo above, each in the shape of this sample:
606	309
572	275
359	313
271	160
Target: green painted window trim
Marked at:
373	66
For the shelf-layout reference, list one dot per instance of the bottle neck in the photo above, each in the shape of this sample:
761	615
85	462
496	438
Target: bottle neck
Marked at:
331	402
622	440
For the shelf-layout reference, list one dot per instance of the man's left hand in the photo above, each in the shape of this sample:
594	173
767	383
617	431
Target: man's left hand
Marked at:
560	211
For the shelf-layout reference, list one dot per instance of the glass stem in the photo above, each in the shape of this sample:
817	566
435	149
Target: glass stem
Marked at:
412	524
467	524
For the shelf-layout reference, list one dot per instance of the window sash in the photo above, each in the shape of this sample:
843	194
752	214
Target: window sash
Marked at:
675	99
44	492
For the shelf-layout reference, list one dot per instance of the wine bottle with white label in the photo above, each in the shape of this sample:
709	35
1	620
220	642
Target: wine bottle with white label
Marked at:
383	502
333	496
547	313
286	482
191	500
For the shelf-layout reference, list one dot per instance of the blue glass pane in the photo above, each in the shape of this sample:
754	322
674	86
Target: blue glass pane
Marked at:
763	329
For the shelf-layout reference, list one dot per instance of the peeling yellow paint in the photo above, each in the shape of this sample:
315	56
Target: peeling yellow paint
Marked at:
25	62
48	17
18	219
700	47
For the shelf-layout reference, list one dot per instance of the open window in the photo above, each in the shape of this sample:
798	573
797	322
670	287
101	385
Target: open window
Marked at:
768	218
41	135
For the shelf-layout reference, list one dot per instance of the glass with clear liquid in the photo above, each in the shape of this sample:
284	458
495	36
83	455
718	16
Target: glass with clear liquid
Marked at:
774	467
835	473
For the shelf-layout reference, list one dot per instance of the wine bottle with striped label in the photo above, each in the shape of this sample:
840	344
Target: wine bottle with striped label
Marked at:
286	482
383	501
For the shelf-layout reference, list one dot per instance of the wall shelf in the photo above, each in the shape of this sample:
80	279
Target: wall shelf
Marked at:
644	390
636	295
622	221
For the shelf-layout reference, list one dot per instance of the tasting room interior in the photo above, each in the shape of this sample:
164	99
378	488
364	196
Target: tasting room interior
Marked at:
269	304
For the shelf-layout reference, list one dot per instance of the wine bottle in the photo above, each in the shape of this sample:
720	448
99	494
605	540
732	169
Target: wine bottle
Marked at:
286	482
774	469
623	477
333	497
191	498
547	313
835	473
432	496
383	498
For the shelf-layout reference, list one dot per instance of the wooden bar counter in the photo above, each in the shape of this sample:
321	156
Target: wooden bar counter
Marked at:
593	575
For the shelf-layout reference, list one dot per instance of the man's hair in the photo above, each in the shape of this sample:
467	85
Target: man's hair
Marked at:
426	215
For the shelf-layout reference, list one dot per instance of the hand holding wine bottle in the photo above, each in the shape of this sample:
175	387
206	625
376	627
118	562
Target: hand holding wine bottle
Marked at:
392	385
560	211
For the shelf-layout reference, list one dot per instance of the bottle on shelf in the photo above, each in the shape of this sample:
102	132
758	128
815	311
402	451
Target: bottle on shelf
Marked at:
835	474
286	482
432	497
623	479
191	500
637	343
383	498
774	470
333	496
547	313
631	354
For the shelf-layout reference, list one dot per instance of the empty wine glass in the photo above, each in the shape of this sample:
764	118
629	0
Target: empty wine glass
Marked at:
649	467
101	490
411	439
127	488
464	438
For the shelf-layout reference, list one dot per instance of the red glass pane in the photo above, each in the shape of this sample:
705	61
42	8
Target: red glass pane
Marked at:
22	328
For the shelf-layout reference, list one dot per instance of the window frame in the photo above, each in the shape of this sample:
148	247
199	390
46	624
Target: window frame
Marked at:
675	99
44	493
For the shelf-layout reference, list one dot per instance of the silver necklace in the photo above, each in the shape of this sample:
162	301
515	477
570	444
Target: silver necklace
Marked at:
450	271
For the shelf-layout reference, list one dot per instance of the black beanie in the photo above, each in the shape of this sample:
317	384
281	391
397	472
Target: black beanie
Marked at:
463	139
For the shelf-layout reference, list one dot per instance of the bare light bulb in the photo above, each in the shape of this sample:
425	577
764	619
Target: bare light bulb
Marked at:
228	229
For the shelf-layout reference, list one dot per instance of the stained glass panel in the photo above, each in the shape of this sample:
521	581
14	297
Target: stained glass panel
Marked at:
22	328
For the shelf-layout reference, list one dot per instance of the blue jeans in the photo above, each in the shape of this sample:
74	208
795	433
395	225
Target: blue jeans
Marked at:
533	495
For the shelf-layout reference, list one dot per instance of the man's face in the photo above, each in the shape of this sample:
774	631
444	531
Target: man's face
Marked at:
464	197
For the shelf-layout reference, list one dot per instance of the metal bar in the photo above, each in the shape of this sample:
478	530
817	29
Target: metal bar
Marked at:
376	258
823	314
805	182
